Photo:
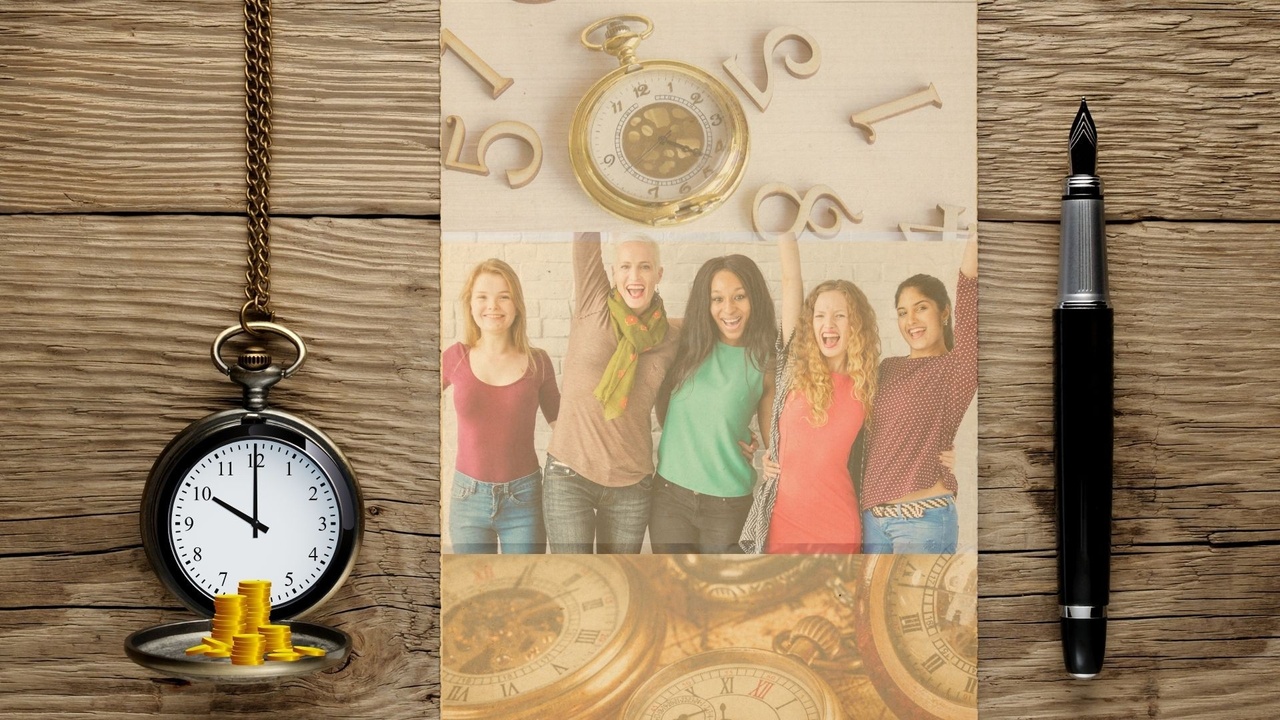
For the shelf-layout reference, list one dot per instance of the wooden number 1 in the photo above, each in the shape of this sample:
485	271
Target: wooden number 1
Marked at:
867	118
949	230
498	83
517	178
763	96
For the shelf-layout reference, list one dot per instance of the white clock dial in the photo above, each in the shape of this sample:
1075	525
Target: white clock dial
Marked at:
255	508
734	690
659	135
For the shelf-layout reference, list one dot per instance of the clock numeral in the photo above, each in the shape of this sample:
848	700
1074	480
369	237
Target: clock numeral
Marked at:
911	623
684	189
190	522
313	554
591	604
641	90
696	98
458	693
588	636
256	459
484	573
560	669
195	554
569	581
510	689
224	469
971	686
763	96
719	146
324	524
762	688
202	493
717	119
670	88
706	172
933	663
288	468
726	685
512	129
223	582
288	579
314	490
654	191
609	160
617	106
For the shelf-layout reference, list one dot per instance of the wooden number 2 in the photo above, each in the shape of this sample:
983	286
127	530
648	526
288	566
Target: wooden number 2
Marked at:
517	178
763	96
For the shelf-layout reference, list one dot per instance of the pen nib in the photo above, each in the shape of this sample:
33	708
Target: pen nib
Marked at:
1083	146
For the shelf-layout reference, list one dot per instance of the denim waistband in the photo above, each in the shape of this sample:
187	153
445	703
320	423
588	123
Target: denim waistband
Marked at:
914	509
464	480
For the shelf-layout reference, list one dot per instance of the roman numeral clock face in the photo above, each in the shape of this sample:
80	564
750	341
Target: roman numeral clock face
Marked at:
255	508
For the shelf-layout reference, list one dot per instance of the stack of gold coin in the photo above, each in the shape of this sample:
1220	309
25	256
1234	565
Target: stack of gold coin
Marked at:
228	618
247	649
257	604
277	638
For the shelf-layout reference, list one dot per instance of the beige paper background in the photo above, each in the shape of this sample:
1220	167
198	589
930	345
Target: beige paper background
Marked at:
872	53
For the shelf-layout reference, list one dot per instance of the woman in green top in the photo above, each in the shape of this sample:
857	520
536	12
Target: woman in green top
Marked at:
720	378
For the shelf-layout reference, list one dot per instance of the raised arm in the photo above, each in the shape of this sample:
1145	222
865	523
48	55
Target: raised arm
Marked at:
590	281
792	284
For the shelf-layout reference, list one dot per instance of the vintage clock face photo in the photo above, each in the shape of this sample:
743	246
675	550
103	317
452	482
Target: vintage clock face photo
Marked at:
242	496
665	133
542	636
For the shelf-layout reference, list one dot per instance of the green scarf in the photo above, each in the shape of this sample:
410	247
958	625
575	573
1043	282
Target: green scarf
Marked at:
636	335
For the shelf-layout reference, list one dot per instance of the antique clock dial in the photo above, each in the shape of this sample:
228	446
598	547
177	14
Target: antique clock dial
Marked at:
731	684
543	636
917	632
656	141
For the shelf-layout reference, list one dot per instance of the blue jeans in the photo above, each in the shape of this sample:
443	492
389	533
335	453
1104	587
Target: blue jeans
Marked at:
482	515
935	533
684	521
583	517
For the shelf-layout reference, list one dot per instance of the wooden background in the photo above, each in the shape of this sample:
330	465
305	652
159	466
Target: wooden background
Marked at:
121	254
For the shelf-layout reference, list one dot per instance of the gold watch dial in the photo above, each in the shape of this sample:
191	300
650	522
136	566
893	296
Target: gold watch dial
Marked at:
734	684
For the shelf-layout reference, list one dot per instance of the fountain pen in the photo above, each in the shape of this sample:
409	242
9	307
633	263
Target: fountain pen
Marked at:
1083	391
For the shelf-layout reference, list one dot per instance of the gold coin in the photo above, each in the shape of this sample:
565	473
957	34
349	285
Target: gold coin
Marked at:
214	643
284	656
198	650
218	654
310	651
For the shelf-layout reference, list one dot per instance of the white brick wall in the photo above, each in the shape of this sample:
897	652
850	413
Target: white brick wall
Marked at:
544	263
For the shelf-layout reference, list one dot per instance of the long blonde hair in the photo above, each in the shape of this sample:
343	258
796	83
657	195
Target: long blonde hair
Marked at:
809	370
519	330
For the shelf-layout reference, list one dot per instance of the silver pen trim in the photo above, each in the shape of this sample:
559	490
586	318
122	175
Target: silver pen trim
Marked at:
1086	612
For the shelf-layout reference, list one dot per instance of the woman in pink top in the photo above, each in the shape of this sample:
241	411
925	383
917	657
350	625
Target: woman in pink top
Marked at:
827	377
908	491
499	383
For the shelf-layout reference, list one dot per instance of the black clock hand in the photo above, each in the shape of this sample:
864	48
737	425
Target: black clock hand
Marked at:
253	460
683	147
651	147
243	516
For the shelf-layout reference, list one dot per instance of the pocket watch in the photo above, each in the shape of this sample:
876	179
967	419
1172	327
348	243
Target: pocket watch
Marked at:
745	683
252	492
916	631
659	142
750	581
528	637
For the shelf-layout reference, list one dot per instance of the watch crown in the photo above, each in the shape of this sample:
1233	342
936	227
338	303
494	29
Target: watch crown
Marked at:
814	637
254	358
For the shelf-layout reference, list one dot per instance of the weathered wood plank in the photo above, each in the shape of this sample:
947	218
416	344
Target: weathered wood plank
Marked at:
1184	94
107	326
111	105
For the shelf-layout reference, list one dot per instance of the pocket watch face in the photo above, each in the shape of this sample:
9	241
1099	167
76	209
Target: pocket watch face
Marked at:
649	141
734	684
919	632
252	495
255	508
524	635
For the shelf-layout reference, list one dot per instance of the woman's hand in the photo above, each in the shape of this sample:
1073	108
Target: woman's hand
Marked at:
772	470
969	263
749	450
948	459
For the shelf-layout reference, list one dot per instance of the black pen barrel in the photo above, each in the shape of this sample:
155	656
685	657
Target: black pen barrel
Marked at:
1083	438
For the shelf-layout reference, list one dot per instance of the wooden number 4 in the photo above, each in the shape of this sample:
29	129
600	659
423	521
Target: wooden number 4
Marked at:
516	178
798	69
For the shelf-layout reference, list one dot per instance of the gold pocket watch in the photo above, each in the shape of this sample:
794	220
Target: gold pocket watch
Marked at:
659	142
538	637
745	683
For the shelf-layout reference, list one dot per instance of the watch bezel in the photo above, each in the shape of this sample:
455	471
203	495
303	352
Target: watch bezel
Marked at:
218	429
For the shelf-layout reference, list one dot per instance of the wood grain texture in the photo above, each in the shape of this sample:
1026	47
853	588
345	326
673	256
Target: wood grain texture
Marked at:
105	350
1184	95
111	105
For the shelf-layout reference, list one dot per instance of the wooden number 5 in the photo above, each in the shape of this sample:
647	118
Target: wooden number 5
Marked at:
763	96
516	178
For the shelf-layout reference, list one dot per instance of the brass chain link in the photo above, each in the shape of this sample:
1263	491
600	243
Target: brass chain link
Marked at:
257	102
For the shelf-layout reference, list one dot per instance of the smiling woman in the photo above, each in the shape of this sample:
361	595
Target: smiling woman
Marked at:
499	384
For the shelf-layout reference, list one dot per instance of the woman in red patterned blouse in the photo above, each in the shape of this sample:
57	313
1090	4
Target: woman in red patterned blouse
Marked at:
908	493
